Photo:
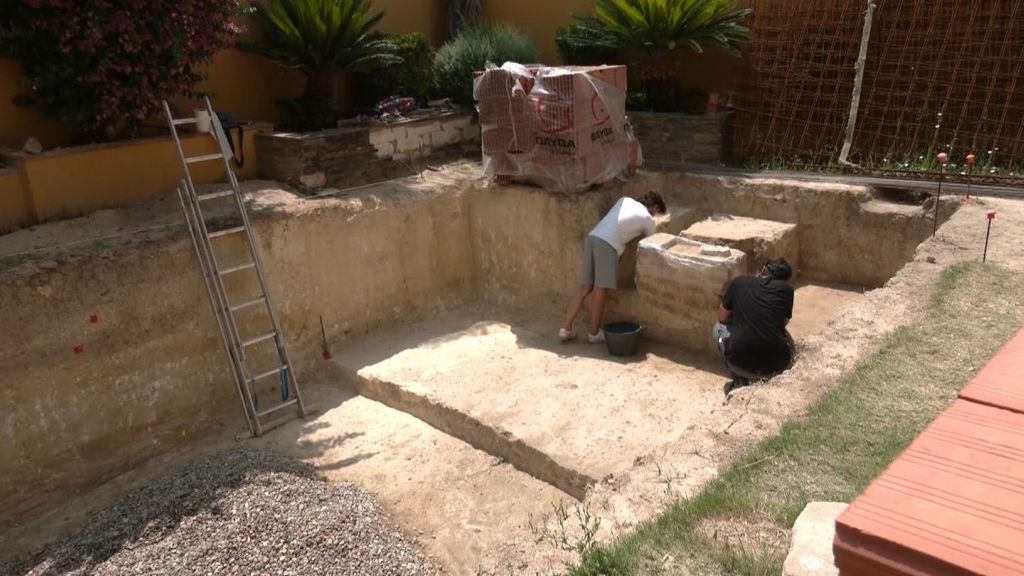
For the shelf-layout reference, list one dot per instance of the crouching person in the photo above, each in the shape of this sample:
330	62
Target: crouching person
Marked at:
626	221
751	330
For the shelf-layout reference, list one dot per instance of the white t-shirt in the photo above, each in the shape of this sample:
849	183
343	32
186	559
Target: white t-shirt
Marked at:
627	220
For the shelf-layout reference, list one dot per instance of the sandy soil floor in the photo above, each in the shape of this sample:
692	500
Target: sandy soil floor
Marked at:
657	426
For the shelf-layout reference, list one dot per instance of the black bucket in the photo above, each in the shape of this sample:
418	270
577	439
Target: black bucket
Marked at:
622	338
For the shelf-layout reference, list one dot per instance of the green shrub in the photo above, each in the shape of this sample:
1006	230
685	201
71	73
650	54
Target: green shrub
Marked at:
321	39
471	51
413	77
654	35
582	46
101	68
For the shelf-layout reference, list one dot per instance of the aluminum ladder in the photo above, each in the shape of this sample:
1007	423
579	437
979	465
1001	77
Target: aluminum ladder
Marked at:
241	351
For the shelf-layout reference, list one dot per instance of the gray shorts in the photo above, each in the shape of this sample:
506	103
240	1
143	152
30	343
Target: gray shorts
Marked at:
600	264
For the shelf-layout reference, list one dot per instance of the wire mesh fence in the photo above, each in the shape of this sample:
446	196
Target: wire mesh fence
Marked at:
940	75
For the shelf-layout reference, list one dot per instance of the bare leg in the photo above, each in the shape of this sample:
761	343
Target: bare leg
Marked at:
597	309
575	305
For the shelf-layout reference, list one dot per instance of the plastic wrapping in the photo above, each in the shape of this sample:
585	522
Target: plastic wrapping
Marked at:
561	128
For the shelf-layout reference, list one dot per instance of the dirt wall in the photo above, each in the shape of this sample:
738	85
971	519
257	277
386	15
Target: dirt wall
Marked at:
845	234
112	355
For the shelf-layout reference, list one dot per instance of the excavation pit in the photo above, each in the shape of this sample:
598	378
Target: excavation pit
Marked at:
440	299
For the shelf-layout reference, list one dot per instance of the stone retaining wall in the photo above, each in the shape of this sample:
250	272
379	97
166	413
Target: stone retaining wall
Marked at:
417	138
679	138
357	154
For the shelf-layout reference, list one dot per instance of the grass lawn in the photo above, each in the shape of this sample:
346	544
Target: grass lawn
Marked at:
739	523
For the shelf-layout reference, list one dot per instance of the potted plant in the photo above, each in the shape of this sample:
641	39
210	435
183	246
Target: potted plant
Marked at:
321	39
651	36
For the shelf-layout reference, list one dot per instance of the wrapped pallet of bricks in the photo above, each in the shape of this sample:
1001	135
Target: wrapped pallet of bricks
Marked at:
561	128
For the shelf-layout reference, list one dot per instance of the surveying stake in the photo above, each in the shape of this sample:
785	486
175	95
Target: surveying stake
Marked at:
991	215
970	169
943	160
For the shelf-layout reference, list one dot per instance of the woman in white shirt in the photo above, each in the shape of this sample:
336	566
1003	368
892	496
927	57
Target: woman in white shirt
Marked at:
626	221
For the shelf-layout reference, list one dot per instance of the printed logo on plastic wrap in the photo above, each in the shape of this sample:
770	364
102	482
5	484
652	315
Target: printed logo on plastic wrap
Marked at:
599	110
555	119
554	114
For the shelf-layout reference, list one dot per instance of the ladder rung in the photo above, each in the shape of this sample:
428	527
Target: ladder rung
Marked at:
270	372
280	406
181	121
213	195
252	302
238	268
260	338
227	231
204	158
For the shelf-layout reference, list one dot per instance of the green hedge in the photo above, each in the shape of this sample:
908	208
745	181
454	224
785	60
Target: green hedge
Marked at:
413	77
584	46
470	51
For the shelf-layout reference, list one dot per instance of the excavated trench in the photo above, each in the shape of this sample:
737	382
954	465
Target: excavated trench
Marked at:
439	298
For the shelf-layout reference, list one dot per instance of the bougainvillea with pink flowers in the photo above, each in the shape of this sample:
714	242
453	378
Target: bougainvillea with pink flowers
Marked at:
103	66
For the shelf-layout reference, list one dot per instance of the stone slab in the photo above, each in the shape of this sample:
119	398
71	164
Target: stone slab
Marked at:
811	551
759	239
585	410
678	218
677	289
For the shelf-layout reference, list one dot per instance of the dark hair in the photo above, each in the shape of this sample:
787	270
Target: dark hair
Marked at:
778	269
653	200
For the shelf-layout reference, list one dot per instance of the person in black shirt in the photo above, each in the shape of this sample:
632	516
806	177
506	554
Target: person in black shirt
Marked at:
751	330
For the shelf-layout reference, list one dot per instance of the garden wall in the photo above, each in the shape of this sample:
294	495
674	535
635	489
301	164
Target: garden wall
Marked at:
68	182
360	153
15	200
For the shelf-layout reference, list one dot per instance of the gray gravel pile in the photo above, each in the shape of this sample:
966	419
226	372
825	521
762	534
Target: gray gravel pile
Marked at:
242	511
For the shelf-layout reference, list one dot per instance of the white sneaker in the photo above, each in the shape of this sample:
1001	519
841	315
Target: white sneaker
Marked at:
566	335
596	338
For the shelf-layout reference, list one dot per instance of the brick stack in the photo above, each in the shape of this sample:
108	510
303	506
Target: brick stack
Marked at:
563	128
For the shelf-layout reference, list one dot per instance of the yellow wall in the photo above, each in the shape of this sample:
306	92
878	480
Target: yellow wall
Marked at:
76	181
15	200
538	19
427	16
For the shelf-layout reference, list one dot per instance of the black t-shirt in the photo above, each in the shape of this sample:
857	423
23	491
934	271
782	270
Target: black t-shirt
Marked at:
760	308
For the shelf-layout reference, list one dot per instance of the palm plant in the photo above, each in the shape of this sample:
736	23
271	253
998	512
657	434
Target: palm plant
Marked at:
652	33
321	39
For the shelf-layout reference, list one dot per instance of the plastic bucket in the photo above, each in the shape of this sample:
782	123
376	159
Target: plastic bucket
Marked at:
622	338
203	121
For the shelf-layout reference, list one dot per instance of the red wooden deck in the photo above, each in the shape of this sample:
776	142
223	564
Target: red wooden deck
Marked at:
953	502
